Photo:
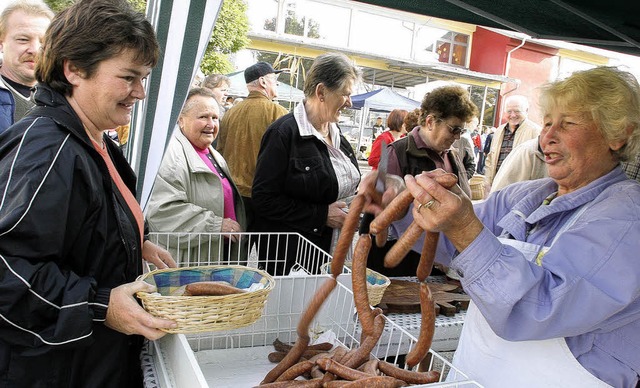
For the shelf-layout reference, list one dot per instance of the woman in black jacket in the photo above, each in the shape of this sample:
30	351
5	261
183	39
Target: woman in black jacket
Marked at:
306	168
71	231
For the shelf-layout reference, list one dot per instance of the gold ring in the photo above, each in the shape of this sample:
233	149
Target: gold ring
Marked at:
426	205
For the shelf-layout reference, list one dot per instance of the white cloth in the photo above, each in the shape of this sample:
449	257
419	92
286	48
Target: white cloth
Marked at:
494	362
524	162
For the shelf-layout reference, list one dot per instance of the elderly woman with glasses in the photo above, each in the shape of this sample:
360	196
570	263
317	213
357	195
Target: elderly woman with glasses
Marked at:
443	114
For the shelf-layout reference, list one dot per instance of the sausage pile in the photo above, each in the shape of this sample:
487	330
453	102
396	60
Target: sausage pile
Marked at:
355	368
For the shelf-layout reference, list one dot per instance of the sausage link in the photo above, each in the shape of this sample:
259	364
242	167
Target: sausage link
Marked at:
376	382
400	249
359	282
381	238
346	235
427	327
428	255
370	367
315	383
408	376
211	289
303	331
392	212
363	352
285	347
338	369
296	370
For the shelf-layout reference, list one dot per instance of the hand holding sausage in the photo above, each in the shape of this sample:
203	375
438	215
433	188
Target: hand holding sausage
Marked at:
452	212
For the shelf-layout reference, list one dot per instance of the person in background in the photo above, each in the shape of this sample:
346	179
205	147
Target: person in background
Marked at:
72	234
509	135
22	26
219	84
193	191
525	162
378	127
395	121
443	113
551	265
306	168
229	102
464	145
632	168
242	127
485	143
411	120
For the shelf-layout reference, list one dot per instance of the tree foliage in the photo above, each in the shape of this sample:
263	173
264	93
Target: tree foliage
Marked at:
229	34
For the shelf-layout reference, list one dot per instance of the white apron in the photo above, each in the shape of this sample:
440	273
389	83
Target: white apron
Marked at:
495	362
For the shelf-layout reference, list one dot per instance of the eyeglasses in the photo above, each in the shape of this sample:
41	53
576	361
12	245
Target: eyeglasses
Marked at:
454	130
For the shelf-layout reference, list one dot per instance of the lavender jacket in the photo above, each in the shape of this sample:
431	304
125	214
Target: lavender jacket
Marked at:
588	287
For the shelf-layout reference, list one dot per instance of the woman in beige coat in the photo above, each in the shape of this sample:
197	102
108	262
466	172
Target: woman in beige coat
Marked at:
193	194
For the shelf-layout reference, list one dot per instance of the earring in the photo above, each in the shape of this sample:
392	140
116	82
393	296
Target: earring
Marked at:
322	100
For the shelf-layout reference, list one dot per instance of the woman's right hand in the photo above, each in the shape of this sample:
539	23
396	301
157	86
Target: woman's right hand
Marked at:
231	226
125	315
337	214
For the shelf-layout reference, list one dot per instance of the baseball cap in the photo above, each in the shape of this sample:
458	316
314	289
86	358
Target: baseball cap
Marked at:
258	70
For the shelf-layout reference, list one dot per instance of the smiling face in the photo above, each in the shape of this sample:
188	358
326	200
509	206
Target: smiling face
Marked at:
199	120
337	100
105	101
20	44
575	151
440	134
515	111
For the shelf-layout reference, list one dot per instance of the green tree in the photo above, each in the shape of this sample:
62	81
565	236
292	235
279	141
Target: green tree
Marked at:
229	36
229	33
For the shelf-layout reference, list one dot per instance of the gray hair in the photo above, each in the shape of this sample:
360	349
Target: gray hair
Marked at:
519	99
333	70
213	81
615	112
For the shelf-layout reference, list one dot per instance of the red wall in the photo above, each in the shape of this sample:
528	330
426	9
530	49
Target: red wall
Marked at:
532	64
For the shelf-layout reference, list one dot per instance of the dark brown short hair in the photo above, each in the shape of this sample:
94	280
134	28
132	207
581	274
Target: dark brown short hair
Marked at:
90	32
395	119
448	101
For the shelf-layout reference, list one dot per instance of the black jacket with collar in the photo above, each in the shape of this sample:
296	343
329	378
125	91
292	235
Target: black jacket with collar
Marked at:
295	182
67	238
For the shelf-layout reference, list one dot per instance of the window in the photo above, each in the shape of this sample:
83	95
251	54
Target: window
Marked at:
442	45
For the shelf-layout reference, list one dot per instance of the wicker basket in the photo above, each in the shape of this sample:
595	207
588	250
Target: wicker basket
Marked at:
477	187
377	283
195	314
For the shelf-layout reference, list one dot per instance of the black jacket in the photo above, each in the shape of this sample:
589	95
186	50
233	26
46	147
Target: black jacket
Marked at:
295	182
67	238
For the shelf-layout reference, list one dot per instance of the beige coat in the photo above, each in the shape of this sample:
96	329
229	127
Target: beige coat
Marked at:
523	163
527	130
187	197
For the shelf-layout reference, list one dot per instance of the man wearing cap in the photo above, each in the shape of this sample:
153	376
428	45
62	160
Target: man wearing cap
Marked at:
242	127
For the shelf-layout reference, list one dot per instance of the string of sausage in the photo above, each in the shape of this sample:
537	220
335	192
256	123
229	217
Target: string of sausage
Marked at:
303	332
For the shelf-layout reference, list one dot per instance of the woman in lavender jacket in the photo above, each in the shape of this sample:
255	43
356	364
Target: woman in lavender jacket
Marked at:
552	265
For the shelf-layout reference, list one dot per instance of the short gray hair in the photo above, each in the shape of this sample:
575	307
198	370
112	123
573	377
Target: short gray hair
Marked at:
333	70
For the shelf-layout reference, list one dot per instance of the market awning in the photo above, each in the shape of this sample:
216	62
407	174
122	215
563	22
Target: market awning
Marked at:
611	25
183	28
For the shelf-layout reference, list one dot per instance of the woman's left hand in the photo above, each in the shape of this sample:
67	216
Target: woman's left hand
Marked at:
157	256
336	215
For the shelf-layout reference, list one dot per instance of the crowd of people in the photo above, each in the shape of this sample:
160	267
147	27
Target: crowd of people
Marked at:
546	256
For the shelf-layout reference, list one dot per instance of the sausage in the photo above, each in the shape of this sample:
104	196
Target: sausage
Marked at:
284	347
211	289
296	370
370	367
363	352
400	249
359	281
392	212
315	383
346	235
381	238
338	369
336	383
408	376
293	356
427	327
376	382
447	180
428	255
307	355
